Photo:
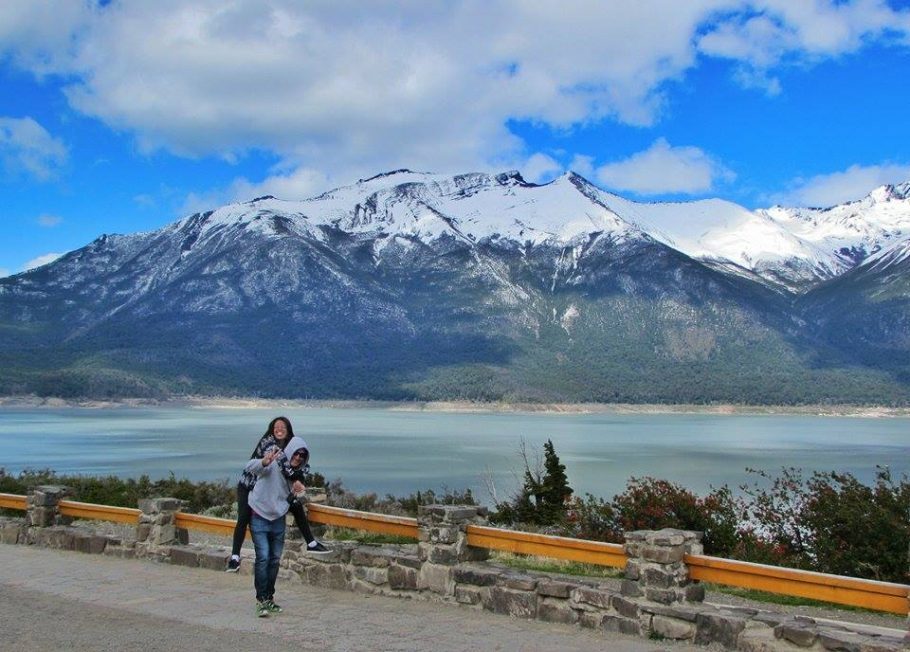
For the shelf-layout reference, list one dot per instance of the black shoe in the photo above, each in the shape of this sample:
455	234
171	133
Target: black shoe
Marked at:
233	566
317	548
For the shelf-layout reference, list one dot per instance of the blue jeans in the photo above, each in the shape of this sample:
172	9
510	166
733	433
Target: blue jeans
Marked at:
268	540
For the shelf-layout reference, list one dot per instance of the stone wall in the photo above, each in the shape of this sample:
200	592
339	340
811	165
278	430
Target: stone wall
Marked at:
655	599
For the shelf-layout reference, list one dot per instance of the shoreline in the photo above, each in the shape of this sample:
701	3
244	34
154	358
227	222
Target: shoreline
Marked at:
216	402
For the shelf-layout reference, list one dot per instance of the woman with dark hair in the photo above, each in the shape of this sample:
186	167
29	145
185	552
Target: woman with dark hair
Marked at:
277	435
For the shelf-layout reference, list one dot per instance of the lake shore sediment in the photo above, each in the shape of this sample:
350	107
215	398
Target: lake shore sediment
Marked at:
232	402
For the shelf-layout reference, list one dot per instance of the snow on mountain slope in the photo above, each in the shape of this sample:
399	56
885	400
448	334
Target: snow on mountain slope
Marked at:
792	248
854	230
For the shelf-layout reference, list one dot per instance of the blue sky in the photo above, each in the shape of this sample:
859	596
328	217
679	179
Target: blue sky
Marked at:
119	117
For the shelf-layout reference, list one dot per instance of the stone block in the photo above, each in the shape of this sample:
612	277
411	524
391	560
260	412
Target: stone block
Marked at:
662	555
402	578
407	561
93	544
839	641
439	553
585	595
554	610
370	556
591	619
181	556
694	593
633	569
371	574
677	611
183	536
658	577
555	588
801	634
465	594
631	589
663	596
213	560
520	604
678	630
625	607
718	628
436	578
761	639
519	582
475	576
629	626
331	576
12	533
143	530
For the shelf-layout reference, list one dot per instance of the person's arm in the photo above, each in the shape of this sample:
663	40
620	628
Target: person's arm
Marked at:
261	466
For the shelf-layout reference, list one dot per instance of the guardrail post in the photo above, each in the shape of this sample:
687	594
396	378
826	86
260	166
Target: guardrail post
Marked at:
43	506
157	526
443	543
655	568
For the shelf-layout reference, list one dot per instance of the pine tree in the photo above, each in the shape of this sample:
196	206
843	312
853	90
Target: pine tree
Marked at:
554	489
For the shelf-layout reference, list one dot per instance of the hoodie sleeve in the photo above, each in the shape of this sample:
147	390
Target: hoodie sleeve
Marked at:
255	467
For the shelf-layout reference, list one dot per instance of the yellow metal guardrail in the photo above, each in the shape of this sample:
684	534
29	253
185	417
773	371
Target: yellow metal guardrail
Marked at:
12	501
869	594
75	509
526	543
351	518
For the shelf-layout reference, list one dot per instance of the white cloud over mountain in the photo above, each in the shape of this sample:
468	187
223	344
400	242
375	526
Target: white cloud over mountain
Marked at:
348	88
663	168
846	185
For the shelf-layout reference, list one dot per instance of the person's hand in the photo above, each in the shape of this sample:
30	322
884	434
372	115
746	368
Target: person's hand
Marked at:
298	487
270	456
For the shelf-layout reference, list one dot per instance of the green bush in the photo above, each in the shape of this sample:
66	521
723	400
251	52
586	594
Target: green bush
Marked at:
125	492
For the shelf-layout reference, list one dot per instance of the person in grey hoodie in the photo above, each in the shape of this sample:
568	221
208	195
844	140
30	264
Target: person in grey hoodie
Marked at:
269	502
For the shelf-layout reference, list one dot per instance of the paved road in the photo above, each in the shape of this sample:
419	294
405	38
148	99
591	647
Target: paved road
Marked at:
53	600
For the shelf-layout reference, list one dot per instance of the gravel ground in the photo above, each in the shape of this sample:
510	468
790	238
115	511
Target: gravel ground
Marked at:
59	600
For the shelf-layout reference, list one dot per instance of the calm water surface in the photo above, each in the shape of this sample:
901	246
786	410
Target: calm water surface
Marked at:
399	452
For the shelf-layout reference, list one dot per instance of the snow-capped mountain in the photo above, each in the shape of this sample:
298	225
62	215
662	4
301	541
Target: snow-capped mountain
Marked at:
855	230
415	285
793	249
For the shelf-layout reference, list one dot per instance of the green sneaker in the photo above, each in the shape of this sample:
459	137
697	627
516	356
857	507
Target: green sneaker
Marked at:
272	607
262	609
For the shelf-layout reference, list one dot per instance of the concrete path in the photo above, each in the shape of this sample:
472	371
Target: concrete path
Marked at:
53	600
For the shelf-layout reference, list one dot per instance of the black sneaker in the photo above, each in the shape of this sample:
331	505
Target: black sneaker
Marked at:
262	609
233	566
272	607
317	548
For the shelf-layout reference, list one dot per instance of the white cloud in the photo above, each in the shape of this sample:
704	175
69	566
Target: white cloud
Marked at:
349	88
27	148
540	168
49	221
838	187
39	261
583	165
772	32
664	169
299	183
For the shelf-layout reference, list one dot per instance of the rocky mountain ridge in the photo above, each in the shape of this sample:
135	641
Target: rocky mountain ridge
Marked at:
411	285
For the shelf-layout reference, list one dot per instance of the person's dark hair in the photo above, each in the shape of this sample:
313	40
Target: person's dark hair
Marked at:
287	424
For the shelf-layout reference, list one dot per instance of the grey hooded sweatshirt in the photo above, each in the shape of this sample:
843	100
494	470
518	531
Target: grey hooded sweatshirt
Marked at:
269	495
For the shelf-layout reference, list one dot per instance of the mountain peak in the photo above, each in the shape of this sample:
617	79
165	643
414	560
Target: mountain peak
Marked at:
889	192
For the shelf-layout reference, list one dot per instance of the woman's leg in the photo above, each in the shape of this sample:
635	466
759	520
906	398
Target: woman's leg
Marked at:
243	519
302	523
